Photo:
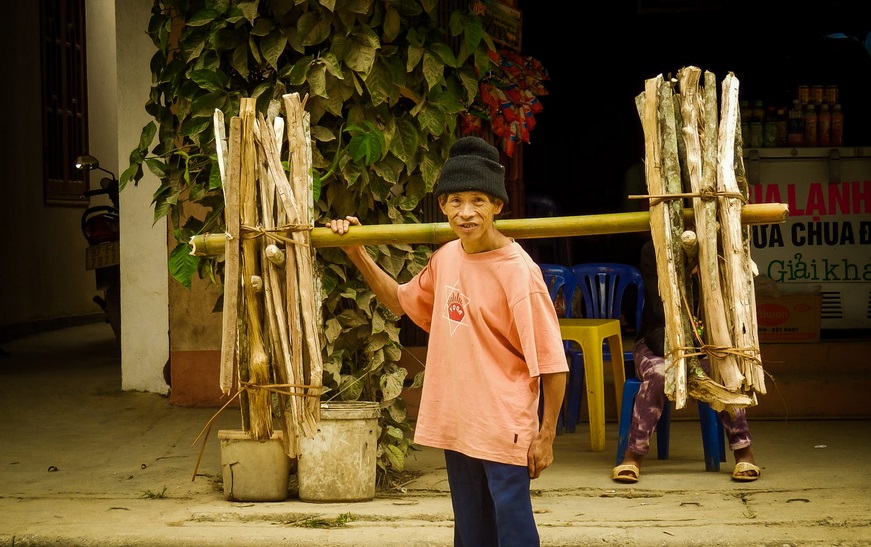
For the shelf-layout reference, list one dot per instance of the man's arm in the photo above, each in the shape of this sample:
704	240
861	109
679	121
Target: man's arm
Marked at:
384	286
540	454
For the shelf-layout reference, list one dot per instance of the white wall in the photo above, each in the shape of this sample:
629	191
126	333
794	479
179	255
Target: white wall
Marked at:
144	274
119	81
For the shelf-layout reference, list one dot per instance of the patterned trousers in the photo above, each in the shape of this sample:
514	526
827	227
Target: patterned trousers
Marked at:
651	399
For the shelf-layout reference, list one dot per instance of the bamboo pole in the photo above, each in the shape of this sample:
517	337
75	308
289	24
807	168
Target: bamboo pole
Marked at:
523	228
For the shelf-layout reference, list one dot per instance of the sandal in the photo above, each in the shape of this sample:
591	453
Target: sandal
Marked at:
753	472
625	473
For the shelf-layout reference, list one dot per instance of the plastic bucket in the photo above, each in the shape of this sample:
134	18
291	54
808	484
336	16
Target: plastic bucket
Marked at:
338	462
254	470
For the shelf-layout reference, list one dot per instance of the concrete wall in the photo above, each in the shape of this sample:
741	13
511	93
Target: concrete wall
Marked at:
144	274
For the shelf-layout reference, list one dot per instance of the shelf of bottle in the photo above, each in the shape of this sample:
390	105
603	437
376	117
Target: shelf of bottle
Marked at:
809	152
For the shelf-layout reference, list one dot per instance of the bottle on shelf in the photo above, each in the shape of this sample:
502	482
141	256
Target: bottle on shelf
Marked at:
769	128
795	135
758	112
810	125
745	121
824	124
816	95
837	128
781	124
803	94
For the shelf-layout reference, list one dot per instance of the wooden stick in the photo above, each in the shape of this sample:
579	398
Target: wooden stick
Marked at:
299	152
258	361
230	183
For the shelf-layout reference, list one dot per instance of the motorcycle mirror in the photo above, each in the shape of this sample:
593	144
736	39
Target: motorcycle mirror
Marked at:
87	163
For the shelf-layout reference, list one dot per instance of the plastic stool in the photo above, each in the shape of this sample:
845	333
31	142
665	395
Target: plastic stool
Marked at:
591	335
713	436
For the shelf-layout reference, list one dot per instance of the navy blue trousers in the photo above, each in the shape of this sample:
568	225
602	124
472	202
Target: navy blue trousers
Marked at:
492	504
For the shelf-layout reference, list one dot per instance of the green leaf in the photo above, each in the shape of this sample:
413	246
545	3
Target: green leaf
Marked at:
313	28
205	105
391	24
272	46
367	145
209	80
249	9
239	60
202	17
350	388
392	383
360	58
395	456
390	168
378	83
433	69
405	141
194	126
443	51
182	266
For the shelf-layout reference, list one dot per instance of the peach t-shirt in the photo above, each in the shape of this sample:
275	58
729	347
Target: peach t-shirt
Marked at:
492	331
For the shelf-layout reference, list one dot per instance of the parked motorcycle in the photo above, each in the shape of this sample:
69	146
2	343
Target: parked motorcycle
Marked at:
100	226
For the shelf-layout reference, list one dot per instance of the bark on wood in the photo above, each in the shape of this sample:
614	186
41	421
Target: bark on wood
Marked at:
230	182
300	160
259	374
737	271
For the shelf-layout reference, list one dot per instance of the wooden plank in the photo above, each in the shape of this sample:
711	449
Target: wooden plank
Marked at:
230	316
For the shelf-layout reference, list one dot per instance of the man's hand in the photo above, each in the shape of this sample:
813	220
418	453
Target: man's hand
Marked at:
382	284
540	455
341	226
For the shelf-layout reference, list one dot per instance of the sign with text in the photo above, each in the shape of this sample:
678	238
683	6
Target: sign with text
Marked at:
826	239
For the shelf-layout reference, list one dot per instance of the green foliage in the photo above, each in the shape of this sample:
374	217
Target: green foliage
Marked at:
384	90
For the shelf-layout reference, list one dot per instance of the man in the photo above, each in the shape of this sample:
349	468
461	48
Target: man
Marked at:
494	346
651	399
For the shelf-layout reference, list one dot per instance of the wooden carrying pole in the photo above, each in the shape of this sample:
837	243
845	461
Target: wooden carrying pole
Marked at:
525	228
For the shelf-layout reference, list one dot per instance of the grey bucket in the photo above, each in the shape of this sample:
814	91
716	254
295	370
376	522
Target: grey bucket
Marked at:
338	462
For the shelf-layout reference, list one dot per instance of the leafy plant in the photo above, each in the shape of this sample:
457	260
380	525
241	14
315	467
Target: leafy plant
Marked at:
385	87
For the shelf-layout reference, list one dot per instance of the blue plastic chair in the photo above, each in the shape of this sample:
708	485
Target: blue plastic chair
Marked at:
561	285
603	287
713	435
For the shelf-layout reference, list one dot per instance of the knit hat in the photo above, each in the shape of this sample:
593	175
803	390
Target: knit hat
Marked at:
472	166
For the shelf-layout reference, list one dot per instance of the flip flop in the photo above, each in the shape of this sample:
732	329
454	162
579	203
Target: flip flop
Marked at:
744	467
629	472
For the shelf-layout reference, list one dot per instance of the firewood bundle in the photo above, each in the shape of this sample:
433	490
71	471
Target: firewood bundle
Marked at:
693	156
271	349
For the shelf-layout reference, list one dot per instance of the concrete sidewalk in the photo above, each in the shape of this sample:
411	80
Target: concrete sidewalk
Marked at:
83	463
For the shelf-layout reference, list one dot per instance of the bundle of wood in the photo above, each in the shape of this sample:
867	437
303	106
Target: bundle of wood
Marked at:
271	350
691	155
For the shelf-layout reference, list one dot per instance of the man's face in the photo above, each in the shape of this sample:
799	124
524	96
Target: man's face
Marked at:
470	214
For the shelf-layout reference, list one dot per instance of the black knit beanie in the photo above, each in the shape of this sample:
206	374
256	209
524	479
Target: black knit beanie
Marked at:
472	166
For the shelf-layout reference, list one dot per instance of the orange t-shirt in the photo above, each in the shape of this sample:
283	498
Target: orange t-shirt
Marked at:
492	331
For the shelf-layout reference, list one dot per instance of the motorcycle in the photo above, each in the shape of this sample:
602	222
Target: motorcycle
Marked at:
100	226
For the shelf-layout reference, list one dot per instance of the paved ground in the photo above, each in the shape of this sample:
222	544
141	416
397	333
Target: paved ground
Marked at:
84	464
